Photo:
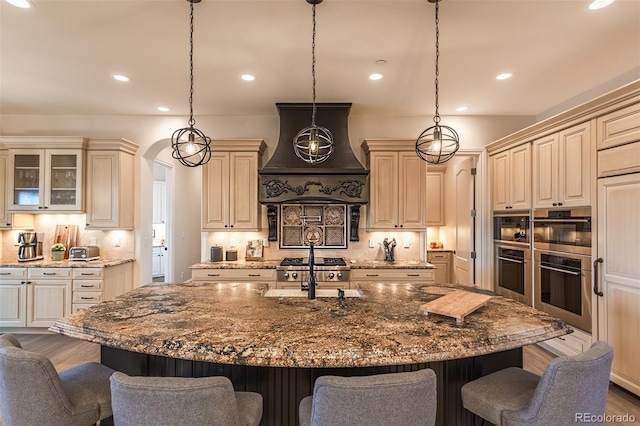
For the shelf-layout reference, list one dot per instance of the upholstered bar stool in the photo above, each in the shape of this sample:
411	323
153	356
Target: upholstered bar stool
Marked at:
570	388
33	393
179	401
407	399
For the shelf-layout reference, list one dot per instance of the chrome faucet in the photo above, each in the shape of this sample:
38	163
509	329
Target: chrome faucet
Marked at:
311	282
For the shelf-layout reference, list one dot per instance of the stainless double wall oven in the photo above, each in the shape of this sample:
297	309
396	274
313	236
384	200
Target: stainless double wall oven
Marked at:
562	265
513	256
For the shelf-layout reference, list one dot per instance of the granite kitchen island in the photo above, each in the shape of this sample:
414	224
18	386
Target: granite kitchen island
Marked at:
279	346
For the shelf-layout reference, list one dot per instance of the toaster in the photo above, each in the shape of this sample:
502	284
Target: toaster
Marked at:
84	253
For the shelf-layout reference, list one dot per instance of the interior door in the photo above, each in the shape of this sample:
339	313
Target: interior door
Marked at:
464	264
619	278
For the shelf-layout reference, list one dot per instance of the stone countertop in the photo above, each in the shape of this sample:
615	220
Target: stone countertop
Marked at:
48	263
238	264
234	324
440	251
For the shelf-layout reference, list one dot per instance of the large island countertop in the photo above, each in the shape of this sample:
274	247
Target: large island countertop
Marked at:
235	324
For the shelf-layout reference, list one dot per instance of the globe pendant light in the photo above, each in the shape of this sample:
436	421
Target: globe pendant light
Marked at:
313	144
196	150
438	143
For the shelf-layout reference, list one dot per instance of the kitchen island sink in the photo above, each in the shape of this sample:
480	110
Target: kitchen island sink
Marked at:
320	292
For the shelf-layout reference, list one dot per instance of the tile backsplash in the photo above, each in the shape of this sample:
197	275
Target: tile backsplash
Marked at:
114	244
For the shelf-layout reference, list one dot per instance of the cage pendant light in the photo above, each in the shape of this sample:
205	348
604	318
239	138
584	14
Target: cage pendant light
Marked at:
196	150
313	144
438	143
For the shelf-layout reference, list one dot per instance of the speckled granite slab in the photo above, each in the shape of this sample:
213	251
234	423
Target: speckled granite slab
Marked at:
234	324
398	264
48	263
238	264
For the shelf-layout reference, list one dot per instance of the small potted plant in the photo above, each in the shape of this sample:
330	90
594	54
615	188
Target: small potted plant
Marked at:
57	251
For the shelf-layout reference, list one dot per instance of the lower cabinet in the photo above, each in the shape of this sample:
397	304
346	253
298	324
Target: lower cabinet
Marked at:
398	276
158	261
267	276
34	297
443	261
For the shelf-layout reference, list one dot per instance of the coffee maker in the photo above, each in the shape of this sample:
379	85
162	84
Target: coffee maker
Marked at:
30	248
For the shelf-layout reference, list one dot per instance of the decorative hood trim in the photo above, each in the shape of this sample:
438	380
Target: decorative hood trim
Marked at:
287	178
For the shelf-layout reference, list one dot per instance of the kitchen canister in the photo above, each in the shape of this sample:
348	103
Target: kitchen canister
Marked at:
232	255
216	253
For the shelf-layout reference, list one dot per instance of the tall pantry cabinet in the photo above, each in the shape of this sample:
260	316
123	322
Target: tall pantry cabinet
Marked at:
618	250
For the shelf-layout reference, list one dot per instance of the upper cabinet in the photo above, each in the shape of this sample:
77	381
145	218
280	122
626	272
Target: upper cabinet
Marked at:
5	216
45	174
159	201
46	180
398	180
511	178
562	168
435	196
110	188
230	186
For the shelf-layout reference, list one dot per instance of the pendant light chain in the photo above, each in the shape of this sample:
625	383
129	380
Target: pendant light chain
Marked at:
313	67
436	118
192	122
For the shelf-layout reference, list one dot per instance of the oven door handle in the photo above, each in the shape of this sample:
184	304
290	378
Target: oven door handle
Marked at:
510	260
596	290
564	271
562	220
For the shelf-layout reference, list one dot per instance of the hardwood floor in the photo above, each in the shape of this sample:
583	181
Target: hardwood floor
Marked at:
65	352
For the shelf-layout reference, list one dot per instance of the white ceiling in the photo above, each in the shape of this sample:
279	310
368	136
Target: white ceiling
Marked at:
58	57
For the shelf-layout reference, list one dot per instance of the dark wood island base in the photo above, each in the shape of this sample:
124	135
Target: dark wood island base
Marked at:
283	387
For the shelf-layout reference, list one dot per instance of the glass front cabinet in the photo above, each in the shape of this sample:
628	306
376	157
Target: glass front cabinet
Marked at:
45	180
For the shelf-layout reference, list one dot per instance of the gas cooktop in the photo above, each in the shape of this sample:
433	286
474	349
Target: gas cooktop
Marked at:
318	261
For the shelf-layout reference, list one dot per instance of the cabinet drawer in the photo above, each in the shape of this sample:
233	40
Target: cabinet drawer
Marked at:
296	285
80	285
233	275
87	296
620	160
88	273
618	127
81	306
49	273
569	344
393	274
14	273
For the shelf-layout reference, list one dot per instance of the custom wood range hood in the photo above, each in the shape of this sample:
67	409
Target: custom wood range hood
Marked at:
288	179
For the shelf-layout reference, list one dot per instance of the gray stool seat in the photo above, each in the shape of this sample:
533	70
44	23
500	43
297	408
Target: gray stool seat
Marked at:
169	401
407	399
569	386
34	393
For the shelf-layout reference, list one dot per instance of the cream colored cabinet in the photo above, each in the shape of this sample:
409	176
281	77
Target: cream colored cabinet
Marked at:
511	178
234	275
398	276
13	297
230	186
159	202
88	287
110	184
5	216
618	275
562	168
48	295
443	261
46	180
397	182
618	127
435	198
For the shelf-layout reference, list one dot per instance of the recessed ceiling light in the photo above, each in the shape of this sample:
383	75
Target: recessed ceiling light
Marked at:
163	109
375	76
22	4
121	77
599	4
462	108
247	77
504	76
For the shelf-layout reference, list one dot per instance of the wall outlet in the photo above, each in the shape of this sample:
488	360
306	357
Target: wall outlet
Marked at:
117	242
265	242
407	243
92	241
182	275
371	243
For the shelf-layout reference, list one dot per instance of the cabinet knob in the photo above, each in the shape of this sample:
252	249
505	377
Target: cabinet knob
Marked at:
230	226
554	204
395	226
559	204
401	226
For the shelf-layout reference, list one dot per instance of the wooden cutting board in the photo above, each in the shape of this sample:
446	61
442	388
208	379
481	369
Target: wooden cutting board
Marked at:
66	234
457	304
